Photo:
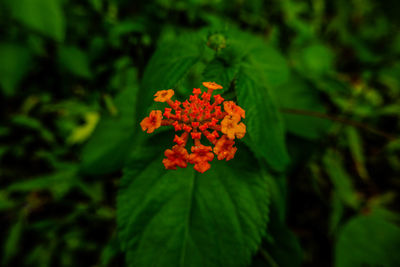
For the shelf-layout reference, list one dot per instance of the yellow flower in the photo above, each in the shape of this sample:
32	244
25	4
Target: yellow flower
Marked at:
230	127
232	109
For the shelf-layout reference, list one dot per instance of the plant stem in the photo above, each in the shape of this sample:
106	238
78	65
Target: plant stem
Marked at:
353	123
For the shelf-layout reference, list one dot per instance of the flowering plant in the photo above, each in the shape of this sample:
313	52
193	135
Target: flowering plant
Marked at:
197	118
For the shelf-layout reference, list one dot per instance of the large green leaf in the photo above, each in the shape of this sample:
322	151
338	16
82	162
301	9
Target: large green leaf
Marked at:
168	66
282	247
191	219
258	68
263	120
368	241
44	16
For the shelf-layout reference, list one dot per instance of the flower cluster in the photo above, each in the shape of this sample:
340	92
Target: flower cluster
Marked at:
198	118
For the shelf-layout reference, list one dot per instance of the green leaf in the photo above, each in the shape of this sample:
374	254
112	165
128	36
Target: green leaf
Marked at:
281	247
192	219
75	61
59	183
113	137
168	66
284	247
316	60
217	71
44	16
5	201
33	124
357	151
368	241
260	69
110	251
12	243
340	179
263	120
15	62
294	95
337	212
223	68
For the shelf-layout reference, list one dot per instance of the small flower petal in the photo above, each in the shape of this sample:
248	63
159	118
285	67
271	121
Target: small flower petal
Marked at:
152	122
212	85
163	95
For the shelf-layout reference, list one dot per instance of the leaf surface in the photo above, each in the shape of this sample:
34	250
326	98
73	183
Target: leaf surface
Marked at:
296	94
368	241
191	219
113	137
263	121
15	62
168	66
44	16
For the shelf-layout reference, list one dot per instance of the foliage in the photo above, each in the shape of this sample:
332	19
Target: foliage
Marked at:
314	181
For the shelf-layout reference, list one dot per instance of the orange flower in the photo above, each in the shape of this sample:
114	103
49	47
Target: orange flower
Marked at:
232	109
224	148
202	166
200	157
212	85
178	156
152	122
196	117
164	95
230	127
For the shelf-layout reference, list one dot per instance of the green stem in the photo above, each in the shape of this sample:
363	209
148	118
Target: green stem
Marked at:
353	123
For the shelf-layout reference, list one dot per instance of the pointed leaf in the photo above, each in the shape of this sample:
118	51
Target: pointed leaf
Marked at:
15	62
368	241
75	61
44	16
191	219
264	123
341	180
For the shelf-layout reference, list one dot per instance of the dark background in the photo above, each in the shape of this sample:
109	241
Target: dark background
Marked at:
63	65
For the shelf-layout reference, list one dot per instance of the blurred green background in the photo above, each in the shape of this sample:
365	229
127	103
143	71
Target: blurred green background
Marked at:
69	71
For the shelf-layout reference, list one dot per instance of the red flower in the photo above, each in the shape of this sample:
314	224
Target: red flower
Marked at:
218	99
179	140
195	135
224	148
152	122
178	156
199	116
230	127
196	91
200	157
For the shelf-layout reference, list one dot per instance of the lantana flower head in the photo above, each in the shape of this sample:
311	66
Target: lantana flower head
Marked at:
203	118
